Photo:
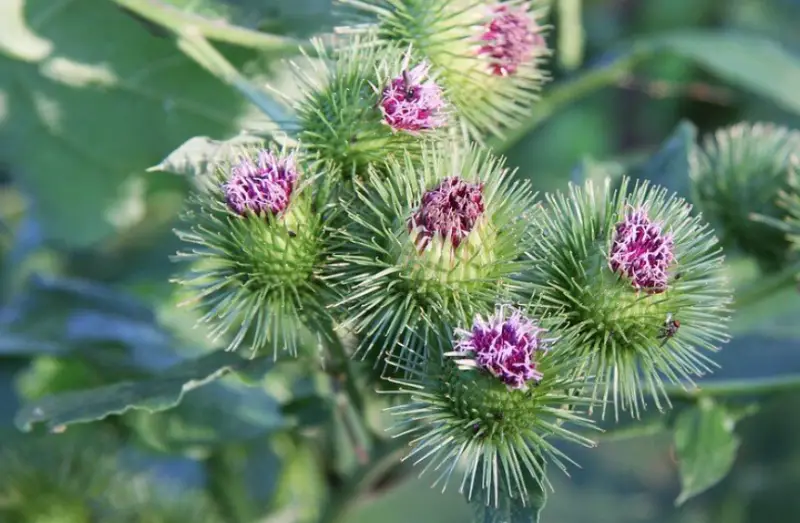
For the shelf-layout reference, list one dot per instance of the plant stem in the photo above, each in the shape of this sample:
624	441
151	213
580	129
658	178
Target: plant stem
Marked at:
564	94
738	387
385	457
766	286
174	19
345	365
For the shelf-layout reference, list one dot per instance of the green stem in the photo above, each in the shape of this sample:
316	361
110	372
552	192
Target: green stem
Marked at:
176	20
386	457
345	364
741	387
564	94
766	286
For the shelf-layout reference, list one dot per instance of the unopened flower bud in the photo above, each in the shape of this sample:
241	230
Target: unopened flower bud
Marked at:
738	173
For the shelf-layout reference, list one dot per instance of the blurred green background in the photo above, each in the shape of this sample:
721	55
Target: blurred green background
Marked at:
91	96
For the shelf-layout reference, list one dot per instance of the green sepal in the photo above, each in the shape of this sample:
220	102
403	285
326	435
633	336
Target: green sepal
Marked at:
341	128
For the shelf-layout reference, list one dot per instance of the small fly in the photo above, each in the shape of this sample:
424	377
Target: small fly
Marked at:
670	328
408	85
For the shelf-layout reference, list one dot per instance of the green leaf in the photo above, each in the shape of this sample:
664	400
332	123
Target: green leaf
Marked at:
90	85
220	413
706	447
161	392
209	18
754	63
198	155
669	166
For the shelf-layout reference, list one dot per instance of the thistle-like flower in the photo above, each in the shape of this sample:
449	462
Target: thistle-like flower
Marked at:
488	57
428	243
506	345
257	252
261	186
362	103
510	38
641	252
494	403
639	282
738	172
410	104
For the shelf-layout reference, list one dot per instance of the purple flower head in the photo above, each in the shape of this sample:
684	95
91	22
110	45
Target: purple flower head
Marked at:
409	104
261	186
505	345
641	251
449	210
509	38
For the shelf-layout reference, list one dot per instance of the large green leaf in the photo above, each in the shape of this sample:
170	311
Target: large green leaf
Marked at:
706	447
669	166
754	63
158	393
90	100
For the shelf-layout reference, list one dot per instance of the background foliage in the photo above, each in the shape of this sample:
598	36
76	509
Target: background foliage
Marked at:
92	95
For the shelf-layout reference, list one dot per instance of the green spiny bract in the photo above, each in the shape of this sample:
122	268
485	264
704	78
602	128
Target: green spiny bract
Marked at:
738	172
429	242
639	281
476	406
344	116
255	252
789	200
488	55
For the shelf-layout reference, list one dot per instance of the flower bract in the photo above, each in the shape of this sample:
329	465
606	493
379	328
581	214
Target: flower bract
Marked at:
362	103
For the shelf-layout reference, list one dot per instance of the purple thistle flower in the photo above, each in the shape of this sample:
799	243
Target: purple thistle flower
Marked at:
509	39
449	210
505	346
409	104
264	186
641	251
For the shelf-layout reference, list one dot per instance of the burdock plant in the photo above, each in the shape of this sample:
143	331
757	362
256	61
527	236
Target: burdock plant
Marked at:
360	104
255	252
489	56
495	396
429	240
738	172
383	228
638	280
